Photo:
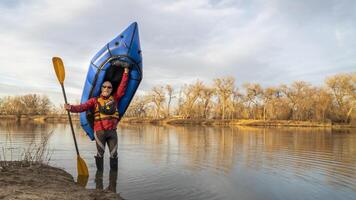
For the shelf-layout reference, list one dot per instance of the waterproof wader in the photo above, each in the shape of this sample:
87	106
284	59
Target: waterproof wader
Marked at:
101	138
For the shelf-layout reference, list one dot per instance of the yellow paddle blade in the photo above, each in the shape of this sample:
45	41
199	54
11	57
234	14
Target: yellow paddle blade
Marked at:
82	180
82	167
59	68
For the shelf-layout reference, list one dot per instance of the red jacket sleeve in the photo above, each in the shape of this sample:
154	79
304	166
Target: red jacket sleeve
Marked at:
90	104
122	87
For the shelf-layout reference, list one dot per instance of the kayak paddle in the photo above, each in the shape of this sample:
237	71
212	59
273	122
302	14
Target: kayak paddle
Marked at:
60	72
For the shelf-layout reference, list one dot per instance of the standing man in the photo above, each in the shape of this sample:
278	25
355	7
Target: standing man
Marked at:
106	119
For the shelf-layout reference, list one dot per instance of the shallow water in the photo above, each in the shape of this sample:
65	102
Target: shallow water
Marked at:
195	162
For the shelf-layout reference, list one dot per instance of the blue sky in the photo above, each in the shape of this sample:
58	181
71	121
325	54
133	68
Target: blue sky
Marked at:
269	42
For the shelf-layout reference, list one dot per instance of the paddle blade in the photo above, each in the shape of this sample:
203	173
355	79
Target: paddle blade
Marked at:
82	167
59	68
82	180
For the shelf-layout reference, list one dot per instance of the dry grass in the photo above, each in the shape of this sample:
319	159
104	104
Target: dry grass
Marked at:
234	122
33	154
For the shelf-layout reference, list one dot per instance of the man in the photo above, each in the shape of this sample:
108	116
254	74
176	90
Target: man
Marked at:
106	119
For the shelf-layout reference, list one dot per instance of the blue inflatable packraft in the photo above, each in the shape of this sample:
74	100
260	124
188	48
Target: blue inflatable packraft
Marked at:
124	48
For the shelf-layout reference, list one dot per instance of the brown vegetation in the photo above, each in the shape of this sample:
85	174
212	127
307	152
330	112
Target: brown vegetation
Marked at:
30	104
32	107
299	101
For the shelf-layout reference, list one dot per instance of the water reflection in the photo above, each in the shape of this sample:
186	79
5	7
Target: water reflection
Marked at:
99	176
195	162
297	149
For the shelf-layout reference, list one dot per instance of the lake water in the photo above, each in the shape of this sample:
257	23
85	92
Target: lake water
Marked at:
196	162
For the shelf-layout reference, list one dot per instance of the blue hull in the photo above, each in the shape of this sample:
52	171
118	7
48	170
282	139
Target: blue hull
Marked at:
125	47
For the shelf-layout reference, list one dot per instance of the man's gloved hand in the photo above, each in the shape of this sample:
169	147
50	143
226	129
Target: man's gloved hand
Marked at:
120	63
67	106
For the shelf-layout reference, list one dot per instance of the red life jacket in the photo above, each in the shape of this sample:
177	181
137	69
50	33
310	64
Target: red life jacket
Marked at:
105	108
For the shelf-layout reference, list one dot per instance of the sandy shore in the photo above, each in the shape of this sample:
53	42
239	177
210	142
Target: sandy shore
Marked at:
19	180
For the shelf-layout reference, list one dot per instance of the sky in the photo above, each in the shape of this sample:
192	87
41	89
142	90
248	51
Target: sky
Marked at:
268	42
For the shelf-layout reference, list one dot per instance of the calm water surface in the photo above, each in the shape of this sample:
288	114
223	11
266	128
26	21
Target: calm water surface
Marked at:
194	162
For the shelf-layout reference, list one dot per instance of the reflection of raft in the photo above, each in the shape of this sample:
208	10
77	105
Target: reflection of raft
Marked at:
126	48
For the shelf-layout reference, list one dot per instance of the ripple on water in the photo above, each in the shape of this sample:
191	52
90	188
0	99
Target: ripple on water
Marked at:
215	163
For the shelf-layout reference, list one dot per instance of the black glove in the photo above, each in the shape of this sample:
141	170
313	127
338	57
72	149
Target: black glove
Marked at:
120	63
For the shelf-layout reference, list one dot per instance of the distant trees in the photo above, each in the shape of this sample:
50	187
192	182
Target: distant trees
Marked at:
223	100
158	98
254	99
207	94
30	104
343	89
224	88
335	101
170	91
139	107
189	106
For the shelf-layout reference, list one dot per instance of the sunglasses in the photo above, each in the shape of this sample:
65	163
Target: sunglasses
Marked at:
105	86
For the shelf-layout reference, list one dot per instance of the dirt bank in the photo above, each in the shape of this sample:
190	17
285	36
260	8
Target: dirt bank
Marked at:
21	180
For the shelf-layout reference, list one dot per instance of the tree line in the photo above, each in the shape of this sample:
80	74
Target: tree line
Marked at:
334	101
30	104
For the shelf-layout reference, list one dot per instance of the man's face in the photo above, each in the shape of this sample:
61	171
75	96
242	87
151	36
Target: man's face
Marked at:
106	89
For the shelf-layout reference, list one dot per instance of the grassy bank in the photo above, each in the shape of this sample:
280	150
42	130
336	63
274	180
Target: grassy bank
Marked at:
40	118
249	122
175	121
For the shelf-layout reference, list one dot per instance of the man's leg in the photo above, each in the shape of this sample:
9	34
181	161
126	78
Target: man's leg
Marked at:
100	146
99	180
112	143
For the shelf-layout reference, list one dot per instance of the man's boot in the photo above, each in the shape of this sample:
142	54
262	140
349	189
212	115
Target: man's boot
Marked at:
99	161
99	180
113	164
112	181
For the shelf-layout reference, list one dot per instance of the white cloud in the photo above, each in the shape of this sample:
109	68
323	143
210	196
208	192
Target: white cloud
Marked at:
269	42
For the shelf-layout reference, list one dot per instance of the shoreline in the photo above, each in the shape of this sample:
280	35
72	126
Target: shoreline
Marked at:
27	180
236	122
181	122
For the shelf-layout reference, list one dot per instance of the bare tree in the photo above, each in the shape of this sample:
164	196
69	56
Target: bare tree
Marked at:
343	89
191	94
206	95
254	93
269	96
322	104
14	106
224	90
2	106
239	109
158	98
139	106
170	91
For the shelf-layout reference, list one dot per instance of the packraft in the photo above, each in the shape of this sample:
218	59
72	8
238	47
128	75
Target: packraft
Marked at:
124	49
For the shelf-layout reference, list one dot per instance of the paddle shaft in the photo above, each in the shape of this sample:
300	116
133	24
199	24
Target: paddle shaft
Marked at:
70	119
